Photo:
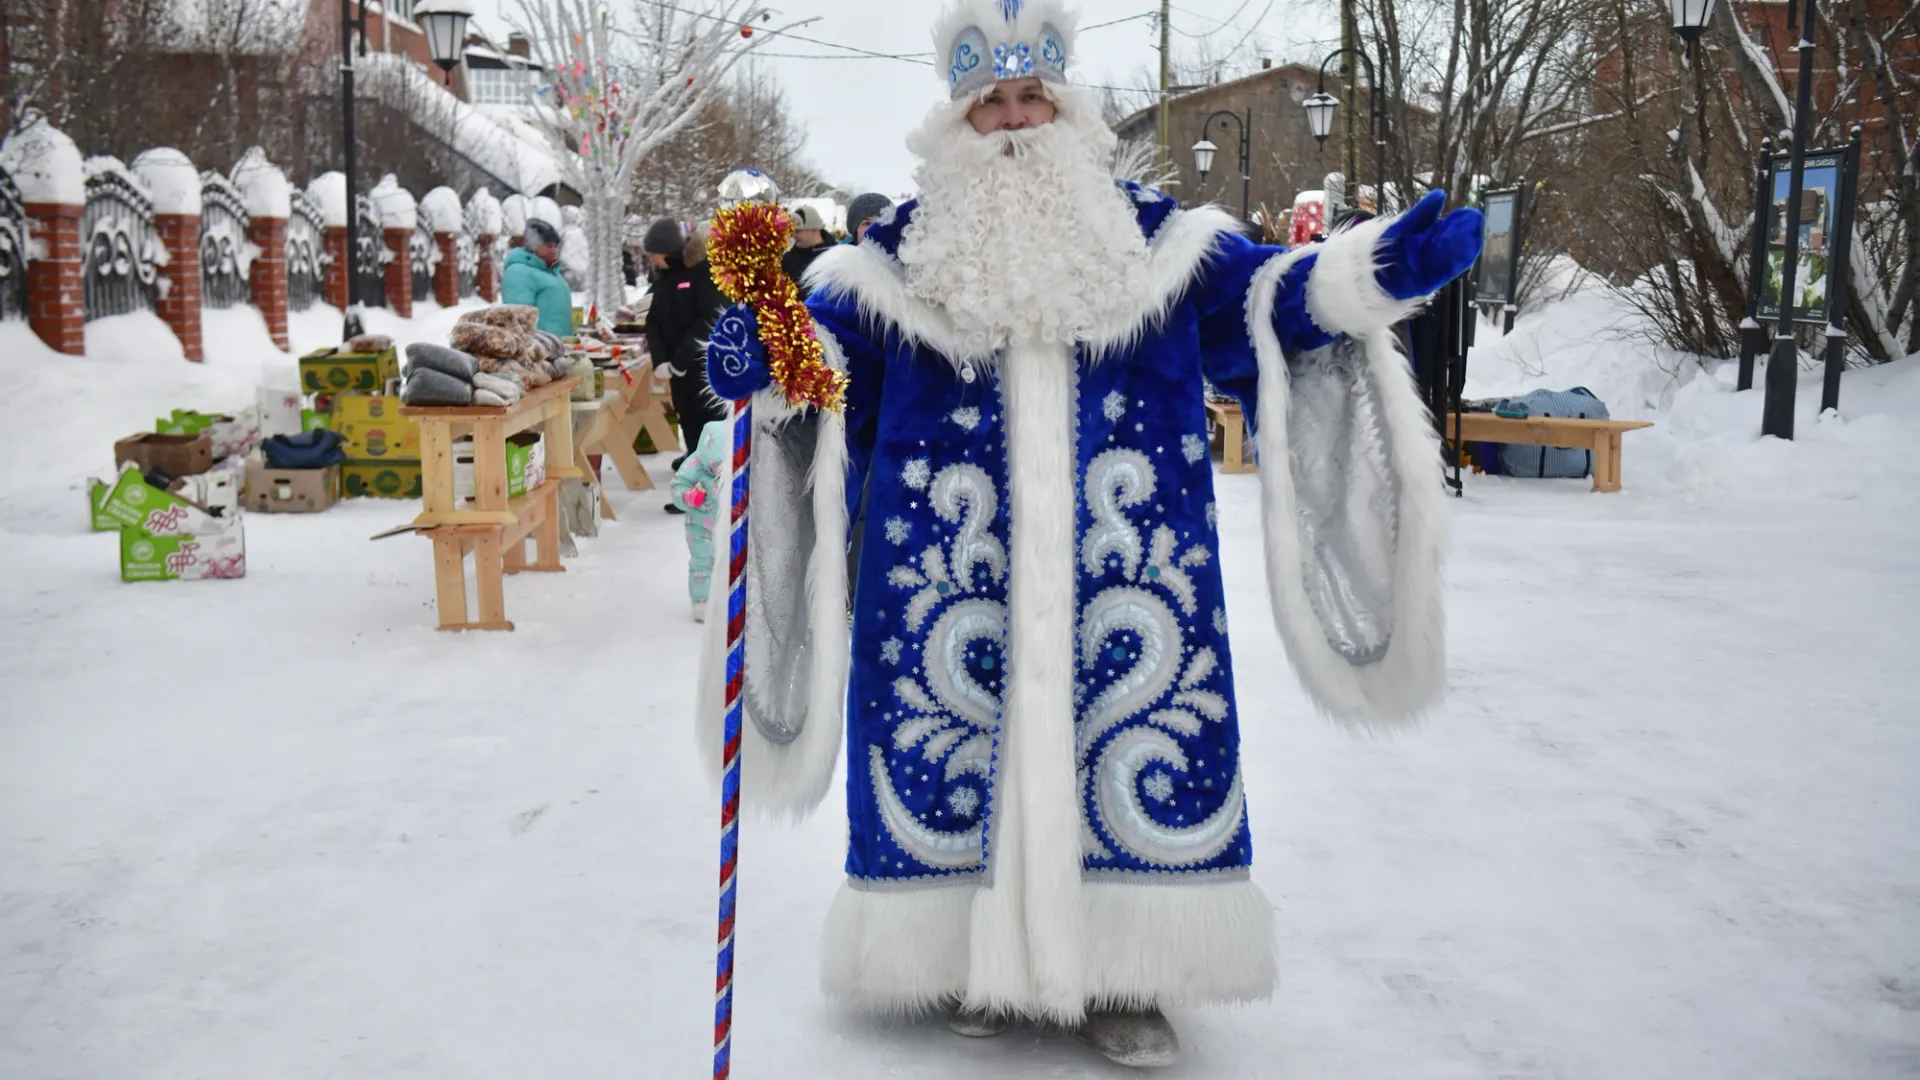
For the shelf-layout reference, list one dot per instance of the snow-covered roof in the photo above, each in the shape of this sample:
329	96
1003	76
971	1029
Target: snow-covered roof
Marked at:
263	185
329	193
45	165
443	211
171	178
511	153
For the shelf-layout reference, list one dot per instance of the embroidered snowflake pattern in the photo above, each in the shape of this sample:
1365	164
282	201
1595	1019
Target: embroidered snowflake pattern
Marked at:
898	530
963	801
916	474
1115	406
968	418
1220	621
890	650
1159	787
1193	448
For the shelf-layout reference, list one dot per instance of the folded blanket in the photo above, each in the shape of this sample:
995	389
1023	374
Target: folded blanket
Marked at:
488	397
430	386
505	391
426	355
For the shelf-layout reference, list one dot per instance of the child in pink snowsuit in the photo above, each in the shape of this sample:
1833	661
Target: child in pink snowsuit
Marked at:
696	489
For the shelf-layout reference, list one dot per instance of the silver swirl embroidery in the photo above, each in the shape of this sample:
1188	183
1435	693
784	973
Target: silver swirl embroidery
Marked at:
1150	674
1126	819
941	850
1168	574
1116	480
946	660
1204	662
969	484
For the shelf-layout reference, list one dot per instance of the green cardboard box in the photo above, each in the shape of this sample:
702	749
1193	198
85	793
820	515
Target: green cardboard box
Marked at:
166	538
329	371
526	463
380	479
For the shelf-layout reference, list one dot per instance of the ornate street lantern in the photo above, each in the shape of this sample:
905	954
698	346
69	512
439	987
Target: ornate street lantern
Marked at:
445	22
1203	152
1320	109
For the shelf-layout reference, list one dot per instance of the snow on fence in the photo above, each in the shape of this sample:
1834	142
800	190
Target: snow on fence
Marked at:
13	250
102	239
120	267
225	258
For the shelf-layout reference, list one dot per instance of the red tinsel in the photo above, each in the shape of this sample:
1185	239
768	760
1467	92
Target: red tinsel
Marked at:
746	246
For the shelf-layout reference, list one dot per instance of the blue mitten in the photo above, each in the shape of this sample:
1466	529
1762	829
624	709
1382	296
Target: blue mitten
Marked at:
1420	252
736	361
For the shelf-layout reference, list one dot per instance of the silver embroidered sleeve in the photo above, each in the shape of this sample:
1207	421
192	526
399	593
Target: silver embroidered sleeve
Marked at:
779	641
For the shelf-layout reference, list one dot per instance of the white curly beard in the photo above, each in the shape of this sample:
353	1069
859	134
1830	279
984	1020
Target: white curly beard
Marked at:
1023	235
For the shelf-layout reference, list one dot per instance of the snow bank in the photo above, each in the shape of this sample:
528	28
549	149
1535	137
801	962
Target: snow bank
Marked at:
546	210
486	212
443	210
394	205
263	186
45	165
514	210
172	179
106	165
329	192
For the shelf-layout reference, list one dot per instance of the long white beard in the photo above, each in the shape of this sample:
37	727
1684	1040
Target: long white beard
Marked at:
1023	235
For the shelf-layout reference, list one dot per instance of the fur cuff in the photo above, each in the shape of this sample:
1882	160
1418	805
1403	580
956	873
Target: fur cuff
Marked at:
1343	292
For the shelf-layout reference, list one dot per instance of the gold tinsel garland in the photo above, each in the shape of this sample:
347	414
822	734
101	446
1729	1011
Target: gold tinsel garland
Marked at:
746	247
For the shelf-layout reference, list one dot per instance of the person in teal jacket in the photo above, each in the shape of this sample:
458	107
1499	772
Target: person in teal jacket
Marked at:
696	490
533	278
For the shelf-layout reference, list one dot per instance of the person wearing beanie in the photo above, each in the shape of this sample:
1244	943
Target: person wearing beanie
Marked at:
809	242
1049	821
663	238
685	303
863	211
534	277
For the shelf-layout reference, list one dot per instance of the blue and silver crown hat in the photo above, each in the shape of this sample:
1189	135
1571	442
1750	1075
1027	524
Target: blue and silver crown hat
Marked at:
982	42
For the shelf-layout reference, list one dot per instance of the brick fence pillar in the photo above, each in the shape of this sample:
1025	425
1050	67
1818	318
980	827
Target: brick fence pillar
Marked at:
400	272
486	281
179	304
446	276
268	276
56	299
339	265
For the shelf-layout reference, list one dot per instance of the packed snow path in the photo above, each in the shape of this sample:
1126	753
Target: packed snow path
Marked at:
1668	825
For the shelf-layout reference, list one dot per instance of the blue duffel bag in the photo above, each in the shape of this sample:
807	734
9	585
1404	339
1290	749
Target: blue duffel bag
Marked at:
1550	462
307	450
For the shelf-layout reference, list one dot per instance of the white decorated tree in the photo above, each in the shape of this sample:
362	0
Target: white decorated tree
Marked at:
618	88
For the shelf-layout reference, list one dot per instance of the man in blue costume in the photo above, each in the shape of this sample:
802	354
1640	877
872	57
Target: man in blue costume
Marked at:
1046	806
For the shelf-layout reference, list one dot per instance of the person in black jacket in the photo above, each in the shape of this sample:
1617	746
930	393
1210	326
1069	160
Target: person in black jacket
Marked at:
809	243
685	304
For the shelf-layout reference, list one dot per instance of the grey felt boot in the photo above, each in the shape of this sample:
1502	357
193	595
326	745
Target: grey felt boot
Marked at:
1140	1039
976	1025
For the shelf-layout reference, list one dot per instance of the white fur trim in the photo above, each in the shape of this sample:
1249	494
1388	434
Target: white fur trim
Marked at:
905	951
878	285
790	781
1343	293
1411	676
1027	955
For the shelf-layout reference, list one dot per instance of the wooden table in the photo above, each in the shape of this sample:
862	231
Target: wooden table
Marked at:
1232	423
1602	437
586	414
495	529
633	406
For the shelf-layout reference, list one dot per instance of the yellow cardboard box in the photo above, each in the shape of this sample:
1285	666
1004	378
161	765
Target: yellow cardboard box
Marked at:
330	372
373	428
380	479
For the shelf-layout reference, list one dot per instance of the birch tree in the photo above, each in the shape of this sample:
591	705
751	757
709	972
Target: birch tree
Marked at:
618	89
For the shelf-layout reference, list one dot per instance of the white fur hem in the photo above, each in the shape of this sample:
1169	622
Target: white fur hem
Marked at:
1343	292
790	781
905	951
878	285
1411	676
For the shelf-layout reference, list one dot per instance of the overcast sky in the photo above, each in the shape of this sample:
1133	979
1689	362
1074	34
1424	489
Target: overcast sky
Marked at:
857	112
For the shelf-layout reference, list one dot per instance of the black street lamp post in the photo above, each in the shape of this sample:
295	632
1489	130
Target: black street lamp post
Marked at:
1320	108
1750	329
1783	363
1204	150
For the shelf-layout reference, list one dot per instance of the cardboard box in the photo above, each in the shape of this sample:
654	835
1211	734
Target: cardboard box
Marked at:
380	479
373	428
166	538
290	491
328	371
232	435
216	491
280	410
97	490
526	466
176	455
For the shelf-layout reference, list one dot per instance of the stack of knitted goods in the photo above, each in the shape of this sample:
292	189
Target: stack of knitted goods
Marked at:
496	355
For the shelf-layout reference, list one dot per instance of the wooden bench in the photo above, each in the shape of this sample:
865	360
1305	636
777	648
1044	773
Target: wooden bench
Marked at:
495	530
1232	425
1602	437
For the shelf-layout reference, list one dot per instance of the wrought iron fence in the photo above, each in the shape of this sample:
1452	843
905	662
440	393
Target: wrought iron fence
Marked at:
13	250
423	251
120	272
466	250
225	256
369	254
307	254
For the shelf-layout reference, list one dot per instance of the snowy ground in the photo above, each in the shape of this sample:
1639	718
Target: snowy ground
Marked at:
1667	827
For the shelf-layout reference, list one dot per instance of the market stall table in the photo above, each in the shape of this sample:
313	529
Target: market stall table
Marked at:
495	528
633	407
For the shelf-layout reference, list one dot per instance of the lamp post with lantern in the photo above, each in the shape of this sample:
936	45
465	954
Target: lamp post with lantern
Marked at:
1320	109
1204	151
